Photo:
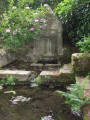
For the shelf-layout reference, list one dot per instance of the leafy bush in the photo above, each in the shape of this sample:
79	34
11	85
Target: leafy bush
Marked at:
85	45
51	3
75	16
21	24
35	4
76	96
3	6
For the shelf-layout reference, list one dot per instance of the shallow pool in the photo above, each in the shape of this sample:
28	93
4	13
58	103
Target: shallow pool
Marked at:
44	102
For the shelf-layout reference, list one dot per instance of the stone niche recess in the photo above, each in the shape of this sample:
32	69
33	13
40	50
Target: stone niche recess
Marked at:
48	46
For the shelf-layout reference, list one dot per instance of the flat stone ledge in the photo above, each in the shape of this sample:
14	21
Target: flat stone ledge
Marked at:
49	73
65	71
18	74
52	65
66	66
36	65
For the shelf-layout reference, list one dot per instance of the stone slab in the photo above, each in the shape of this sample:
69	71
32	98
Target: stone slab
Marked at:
52	65
65	71
36	65
67	66
48	77
18	74
49	73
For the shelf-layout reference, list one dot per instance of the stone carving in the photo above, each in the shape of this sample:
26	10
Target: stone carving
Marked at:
48	46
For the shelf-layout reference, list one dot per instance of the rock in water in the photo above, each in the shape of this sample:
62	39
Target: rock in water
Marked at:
47	118
15	100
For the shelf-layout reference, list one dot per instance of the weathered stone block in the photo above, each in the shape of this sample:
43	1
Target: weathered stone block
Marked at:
48	77
63	77
20	75
81	63
5	58
66	76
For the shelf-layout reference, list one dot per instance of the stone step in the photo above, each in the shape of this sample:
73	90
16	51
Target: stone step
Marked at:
52	65
49	73
67	66
36	65
63	76
18	74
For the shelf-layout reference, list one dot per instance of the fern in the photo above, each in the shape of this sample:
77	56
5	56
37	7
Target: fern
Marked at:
75	97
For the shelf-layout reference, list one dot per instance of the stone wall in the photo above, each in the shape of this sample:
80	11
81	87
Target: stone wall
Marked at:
5	57
81	63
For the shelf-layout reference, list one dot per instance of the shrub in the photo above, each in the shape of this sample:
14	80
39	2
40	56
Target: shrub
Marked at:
21	24
51	3
75	16
85	44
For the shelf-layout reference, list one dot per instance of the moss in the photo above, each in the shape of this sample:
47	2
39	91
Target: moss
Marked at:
81	63
81	56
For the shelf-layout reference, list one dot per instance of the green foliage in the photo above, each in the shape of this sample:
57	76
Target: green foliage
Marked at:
85	45
10	81
75	16
2	81
76	96
20	24
3	6
38	80
47	78
51	3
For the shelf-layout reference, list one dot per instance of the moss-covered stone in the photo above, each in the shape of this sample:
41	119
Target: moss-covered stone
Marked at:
62	77
81	63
